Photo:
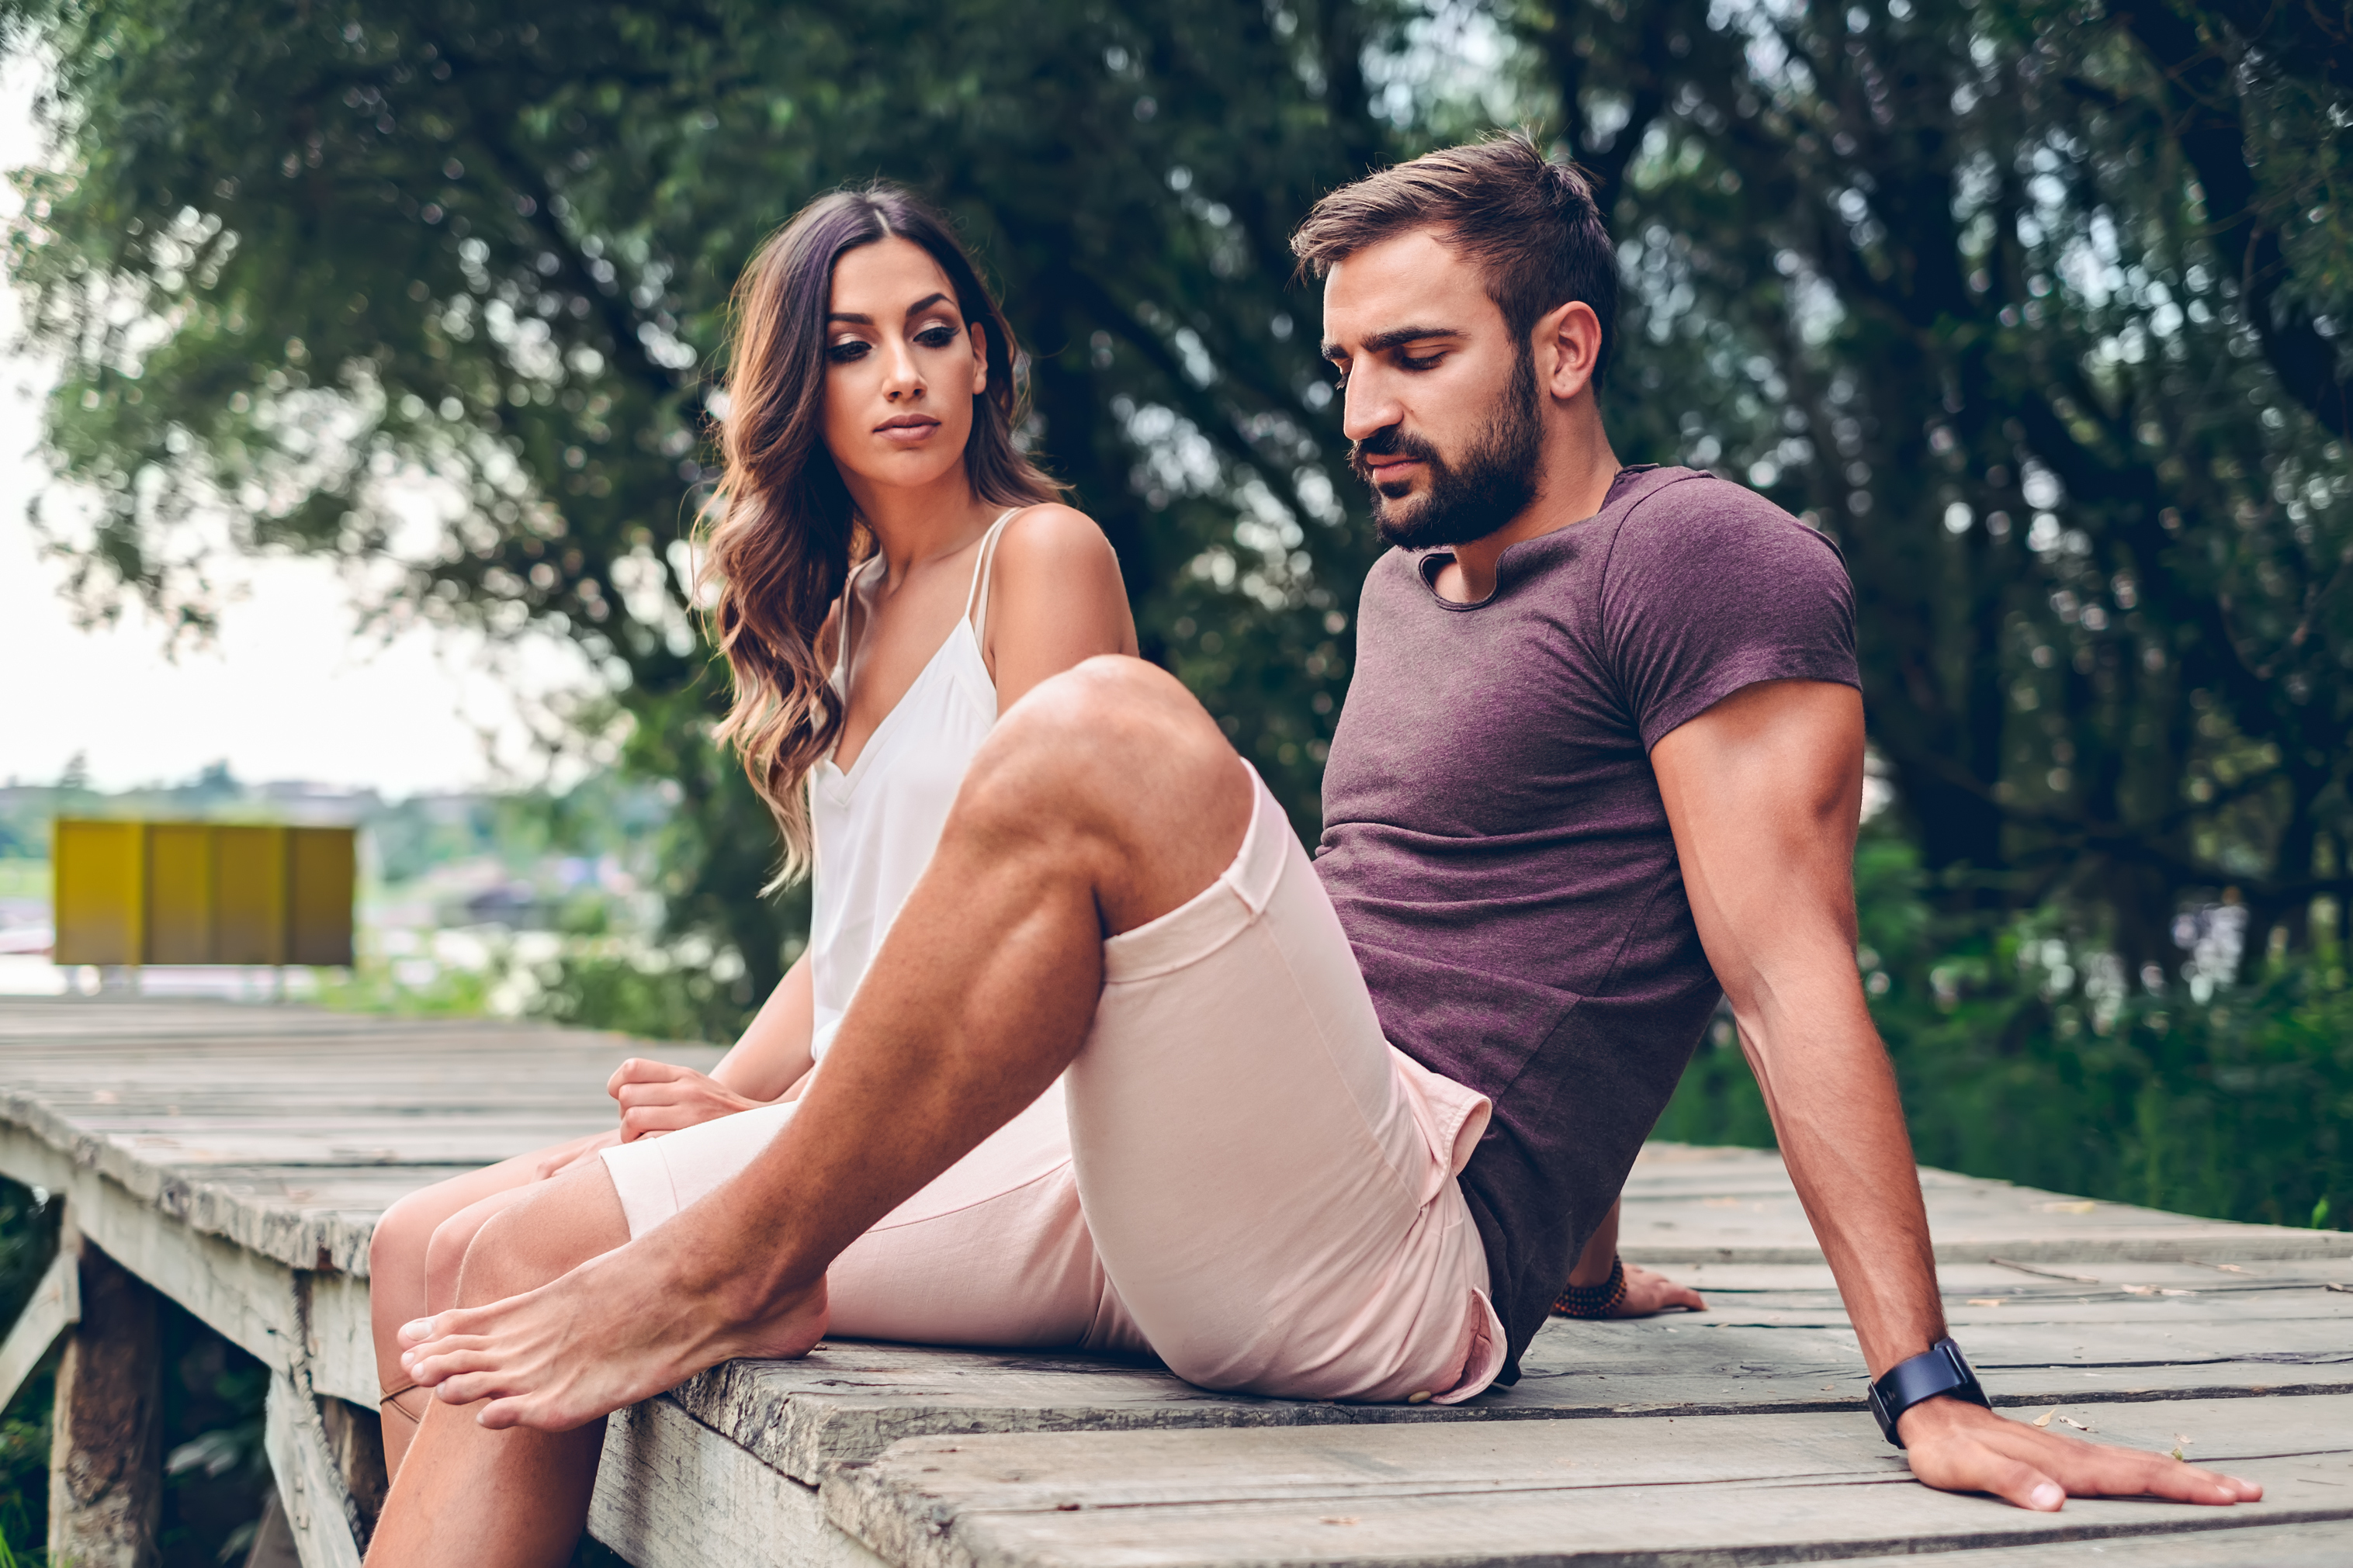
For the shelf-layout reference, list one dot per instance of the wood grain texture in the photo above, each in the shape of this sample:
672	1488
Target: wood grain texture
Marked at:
319	1512
673	1491
55	1306
106	1471
235	1157
1635	1490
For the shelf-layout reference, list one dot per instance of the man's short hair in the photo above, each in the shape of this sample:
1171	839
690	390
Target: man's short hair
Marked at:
1530	225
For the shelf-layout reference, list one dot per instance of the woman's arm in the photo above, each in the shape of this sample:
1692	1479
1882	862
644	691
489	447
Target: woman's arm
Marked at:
1055	600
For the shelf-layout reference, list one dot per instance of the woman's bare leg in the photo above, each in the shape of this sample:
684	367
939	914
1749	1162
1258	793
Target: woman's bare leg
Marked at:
399	1274
518	1497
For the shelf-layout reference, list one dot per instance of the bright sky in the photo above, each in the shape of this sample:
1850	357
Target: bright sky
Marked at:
288	690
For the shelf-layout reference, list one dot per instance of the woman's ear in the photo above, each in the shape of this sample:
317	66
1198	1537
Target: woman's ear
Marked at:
979	335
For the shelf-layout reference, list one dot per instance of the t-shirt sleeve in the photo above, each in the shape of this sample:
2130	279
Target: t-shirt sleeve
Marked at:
1711	588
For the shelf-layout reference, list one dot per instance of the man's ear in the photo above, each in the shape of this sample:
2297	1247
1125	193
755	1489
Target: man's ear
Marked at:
1567	345
979	335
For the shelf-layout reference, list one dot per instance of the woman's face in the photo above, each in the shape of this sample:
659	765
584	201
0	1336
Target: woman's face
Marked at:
901	367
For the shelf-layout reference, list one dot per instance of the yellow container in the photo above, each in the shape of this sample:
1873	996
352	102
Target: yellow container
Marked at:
99	903
249	895
201	893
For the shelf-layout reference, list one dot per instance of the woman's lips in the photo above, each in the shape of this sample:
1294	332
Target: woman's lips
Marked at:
907	430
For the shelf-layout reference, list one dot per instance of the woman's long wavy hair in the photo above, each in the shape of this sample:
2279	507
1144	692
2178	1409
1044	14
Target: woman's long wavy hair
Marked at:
782	533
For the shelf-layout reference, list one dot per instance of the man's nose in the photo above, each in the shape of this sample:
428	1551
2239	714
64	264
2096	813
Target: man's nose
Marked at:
1366	406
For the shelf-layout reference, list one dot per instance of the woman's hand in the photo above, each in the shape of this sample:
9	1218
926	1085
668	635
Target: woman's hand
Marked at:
658	1098
580	1151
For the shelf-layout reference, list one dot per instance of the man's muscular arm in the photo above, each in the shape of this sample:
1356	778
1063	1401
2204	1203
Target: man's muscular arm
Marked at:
1763	792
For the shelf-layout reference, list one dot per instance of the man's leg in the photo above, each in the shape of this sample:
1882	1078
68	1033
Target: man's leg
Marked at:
1105	799
518	1498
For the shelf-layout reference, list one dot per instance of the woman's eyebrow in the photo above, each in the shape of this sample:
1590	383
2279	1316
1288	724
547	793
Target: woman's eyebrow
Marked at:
860	318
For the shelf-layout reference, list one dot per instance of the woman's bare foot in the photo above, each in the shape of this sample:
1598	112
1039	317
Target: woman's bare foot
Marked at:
609	1333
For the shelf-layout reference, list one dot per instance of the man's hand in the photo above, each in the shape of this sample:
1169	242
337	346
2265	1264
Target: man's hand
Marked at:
657	1097
1958	1447
1648	1294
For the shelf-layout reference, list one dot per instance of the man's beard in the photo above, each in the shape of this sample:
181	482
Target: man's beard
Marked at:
1493	483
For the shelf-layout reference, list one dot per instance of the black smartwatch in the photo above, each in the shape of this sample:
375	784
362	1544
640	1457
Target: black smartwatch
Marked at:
1939	1368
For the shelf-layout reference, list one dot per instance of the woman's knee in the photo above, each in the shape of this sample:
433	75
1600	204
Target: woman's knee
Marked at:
399	1248
445	1256
557	1226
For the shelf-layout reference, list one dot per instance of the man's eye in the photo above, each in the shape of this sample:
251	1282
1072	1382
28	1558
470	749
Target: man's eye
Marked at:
846	351
1407	362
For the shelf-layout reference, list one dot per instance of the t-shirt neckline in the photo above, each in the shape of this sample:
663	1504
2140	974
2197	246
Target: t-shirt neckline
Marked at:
1439	553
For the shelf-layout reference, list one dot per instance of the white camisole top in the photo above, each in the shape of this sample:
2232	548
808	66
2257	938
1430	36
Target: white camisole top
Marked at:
875	826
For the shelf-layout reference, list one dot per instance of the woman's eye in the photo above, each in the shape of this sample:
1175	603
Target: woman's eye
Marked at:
936	337
846	349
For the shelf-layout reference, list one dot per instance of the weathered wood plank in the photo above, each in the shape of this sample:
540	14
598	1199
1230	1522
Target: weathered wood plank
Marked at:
206	1144
319	1512
55	1305
671	1490
106	1459
2265	1546
1639	1490
848	1401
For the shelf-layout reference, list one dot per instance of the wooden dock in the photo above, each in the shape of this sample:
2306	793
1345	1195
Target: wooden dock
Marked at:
233	1158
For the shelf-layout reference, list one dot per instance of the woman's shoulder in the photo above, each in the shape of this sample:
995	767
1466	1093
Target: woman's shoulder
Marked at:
1054	541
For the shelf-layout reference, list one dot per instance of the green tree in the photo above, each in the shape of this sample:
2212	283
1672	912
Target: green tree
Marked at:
2030	306
294	257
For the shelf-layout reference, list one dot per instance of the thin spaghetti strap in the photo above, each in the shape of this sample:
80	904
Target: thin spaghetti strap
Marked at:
977	599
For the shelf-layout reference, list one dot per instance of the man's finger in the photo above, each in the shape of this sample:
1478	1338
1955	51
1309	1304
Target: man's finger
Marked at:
2098	1469
1953	1463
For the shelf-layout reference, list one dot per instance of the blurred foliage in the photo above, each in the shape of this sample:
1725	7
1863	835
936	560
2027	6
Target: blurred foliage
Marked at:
216	1475
2026	1056
2034	305
29	1241
292	260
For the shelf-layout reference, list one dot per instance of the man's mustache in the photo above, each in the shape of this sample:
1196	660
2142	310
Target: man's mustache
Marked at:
1389	441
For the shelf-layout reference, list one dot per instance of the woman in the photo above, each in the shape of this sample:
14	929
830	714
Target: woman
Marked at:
889	572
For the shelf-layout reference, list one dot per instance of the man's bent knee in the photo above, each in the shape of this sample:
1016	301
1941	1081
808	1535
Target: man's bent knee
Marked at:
1111	736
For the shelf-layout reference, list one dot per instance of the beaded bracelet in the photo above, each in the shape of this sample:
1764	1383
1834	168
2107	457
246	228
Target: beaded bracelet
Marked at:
1601	1301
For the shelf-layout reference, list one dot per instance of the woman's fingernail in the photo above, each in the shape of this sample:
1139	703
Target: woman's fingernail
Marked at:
420	1327
2048	1497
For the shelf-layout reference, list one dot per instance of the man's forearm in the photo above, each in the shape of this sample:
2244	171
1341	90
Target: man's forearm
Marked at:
1836	1112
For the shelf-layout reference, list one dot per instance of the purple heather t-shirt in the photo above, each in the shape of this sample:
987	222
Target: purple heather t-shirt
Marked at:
1495	842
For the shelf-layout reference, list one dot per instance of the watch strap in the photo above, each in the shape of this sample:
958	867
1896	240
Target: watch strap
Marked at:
1941	1369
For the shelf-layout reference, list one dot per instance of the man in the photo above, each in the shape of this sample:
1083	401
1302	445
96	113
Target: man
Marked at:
1339	1135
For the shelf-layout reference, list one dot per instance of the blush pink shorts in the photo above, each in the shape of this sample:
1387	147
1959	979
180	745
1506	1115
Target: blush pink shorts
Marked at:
1238	1174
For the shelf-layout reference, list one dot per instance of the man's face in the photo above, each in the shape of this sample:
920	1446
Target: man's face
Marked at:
1440	401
